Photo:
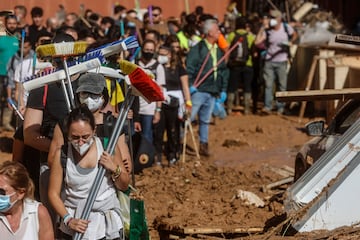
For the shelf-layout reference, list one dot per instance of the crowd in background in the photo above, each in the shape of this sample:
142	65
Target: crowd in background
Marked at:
200	64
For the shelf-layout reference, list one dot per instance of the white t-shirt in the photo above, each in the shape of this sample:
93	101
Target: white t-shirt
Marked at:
26	69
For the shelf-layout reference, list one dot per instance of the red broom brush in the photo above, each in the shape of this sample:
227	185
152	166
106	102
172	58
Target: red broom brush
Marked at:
142	82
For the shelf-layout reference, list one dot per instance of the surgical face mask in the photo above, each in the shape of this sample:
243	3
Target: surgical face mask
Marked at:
83	148
163	59
93	104
5	203
273	22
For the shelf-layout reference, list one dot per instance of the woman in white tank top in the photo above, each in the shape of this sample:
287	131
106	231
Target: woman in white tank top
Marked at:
84	153
21	217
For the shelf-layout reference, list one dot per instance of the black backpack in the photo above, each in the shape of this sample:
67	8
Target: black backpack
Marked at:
239	56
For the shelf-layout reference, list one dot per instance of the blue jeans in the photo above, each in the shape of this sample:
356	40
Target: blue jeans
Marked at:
202	105
147	126
273	71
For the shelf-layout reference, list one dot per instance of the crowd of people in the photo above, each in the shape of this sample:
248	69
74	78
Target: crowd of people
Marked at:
199	63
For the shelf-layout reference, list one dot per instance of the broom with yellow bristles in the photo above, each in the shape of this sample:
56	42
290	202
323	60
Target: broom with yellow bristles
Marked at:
64	50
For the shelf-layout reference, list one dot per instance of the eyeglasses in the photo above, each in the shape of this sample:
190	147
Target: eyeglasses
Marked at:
91	95
85	138
3	192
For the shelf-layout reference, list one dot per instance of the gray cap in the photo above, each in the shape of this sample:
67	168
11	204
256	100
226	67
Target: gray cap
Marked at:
92	83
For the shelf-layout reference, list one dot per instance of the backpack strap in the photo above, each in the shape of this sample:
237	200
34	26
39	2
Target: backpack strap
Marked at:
287	30
63	157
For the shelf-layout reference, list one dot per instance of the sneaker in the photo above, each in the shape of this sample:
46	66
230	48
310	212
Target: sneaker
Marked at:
172	161
265	111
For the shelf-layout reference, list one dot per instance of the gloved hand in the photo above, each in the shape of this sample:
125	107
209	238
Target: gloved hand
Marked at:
223	97
219	110
193	90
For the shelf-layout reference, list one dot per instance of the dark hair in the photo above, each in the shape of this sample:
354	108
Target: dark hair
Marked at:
37	12
119	8
148	41
81	113
43	34
199	10
241	22
94	17
190	18
18	177
107	19
26	40
157	8
10	16
131	11
156	34
62	37
205	17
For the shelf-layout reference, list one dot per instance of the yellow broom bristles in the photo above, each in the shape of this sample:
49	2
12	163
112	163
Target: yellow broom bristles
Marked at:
62	49
127	67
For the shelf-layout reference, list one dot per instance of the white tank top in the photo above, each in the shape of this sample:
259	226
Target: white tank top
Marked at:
29	223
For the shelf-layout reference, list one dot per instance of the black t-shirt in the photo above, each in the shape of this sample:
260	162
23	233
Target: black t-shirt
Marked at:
172	77
34	34
51	100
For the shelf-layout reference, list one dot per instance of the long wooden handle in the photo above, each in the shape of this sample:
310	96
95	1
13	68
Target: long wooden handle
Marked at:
309	82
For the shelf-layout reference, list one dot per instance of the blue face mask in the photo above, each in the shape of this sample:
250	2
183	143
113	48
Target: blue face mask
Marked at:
5	203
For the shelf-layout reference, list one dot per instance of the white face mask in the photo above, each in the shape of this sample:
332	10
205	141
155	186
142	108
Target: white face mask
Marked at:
273	22
93	104
83	148
163	59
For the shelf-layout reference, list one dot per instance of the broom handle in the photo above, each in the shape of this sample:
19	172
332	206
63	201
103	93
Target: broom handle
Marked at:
20	90
110	149
69	86
68	105
131	152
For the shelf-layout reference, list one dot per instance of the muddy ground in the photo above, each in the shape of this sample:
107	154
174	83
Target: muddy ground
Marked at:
197	198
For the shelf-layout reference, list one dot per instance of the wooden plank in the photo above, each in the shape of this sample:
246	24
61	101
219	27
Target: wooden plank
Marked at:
278	183
314	95
210	230
309	82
